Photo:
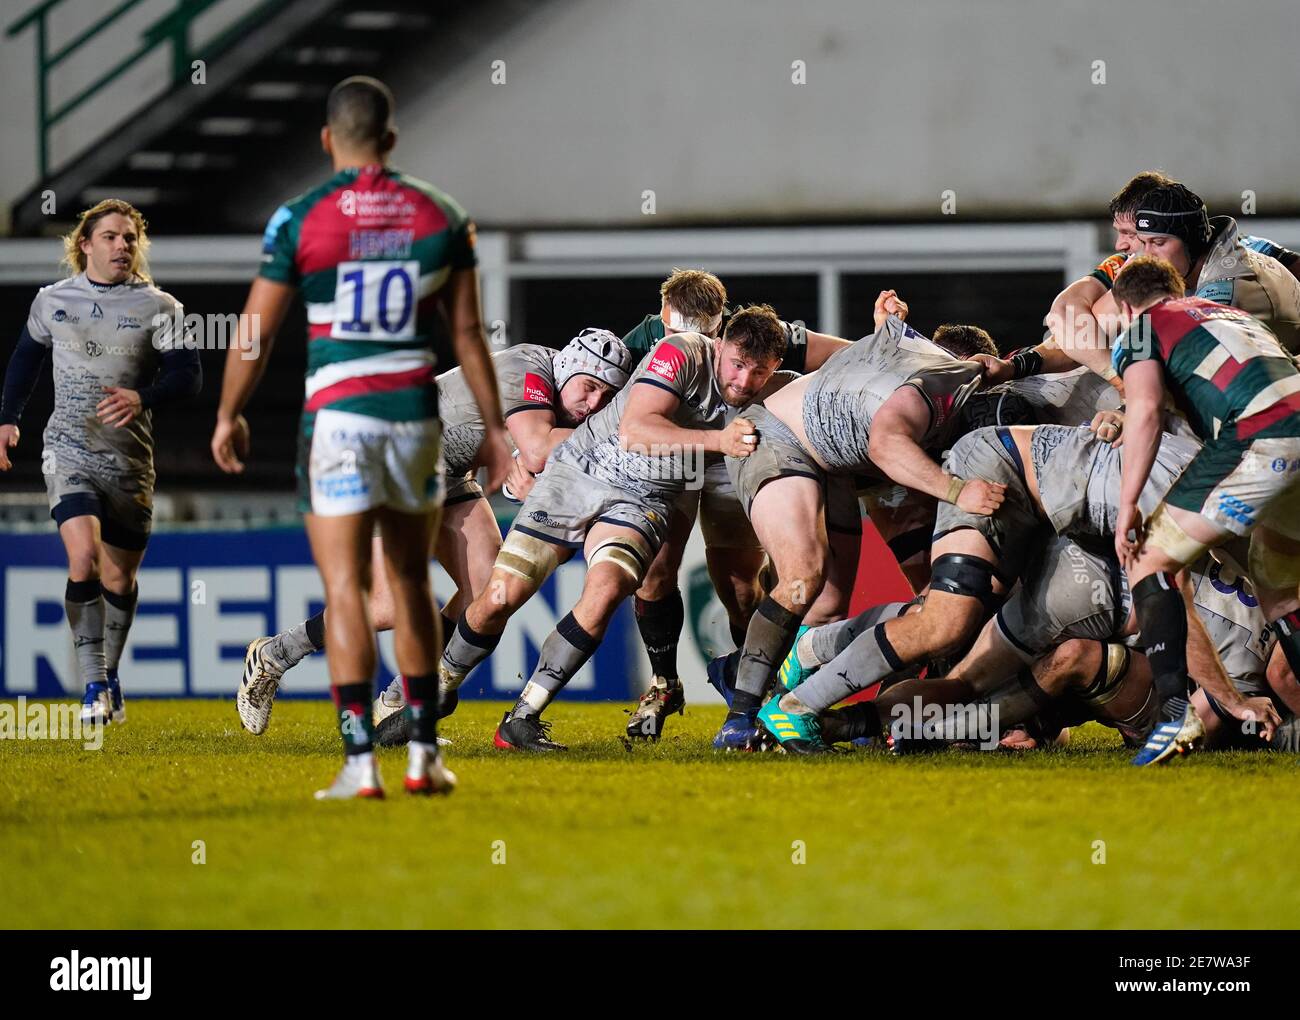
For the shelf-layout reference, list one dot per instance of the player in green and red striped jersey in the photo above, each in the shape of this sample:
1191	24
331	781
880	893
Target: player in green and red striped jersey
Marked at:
387	268
1240	391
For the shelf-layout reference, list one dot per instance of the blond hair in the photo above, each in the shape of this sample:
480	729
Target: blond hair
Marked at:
694	293
75	259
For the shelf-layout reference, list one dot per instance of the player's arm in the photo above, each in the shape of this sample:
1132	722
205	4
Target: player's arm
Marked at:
264	311
469	344
1206	668
179	377
20	380
1144	388
647	425
820	347
535	435
895	447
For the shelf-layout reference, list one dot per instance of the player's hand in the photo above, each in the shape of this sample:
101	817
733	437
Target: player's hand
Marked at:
980	497
519	481
996	370
1261	712
739	438
230	442
1129	534
120	407
8	439
888	303
494	455
1109	426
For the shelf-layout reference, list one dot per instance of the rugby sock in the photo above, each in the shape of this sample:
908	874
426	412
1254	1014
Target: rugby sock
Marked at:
1287	629
314	630
868	659
464	649
829	640
422	703
84	603
767	642
355	723
289	647
564	652
119	612
1162	619
660	623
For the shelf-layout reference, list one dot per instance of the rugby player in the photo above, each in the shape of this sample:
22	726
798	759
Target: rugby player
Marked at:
1054	479
384	262
119	350
612	489
1215	260
882	405
544	395
1067	632
1240	392
693	300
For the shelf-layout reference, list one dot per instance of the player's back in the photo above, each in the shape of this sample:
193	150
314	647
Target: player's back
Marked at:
371	250
1224	367
844	395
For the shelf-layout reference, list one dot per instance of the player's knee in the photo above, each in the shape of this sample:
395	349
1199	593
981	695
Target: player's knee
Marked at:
949	624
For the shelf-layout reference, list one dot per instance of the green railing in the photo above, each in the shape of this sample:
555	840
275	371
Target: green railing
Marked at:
173	28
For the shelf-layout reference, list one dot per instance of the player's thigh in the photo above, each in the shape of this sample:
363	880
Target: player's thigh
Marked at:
405	540
468	542
661	577
341	547
787	514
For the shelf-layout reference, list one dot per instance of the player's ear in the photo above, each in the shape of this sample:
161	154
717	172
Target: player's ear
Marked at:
387	143
325	141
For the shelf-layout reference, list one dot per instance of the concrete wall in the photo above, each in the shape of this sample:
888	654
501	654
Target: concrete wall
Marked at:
994	100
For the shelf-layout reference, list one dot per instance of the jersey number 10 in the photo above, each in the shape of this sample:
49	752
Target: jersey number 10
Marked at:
375	301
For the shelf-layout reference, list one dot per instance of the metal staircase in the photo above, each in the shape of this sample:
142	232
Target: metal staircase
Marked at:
266	77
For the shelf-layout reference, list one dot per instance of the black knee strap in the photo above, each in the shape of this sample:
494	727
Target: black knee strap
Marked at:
969	576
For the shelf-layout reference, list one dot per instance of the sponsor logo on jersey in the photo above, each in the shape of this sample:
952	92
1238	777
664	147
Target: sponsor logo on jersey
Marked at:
96	312
61	315
94	349
347	202
666	362
536	389
541	517
129	322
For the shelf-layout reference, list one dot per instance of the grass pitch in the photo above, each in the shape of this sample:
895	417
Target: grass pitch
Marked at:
656	836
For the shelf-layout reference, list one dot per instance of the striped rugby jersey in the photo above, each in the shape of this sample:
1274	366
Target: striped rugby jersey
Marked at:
1224	368
371	250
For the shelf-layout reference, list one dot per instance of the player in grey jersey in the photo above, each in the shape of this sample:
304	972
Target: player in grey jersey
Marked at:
544	395
1063	650
116	355
612	489
881	405
1057	479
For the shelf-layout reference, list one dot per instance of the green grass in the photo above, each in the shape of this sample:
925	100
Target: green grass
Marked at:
662	836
